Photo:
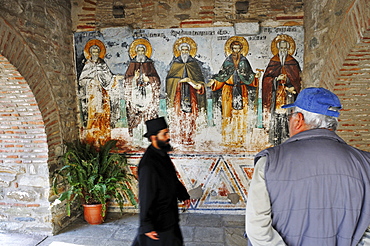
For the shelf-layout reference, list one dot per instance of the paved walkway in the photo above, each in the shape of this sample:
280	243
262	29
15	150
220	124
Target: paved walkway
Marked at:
120	230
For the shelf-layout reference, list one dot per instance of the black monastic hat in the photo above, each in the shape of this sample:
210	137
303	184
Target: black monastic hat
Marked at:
154	126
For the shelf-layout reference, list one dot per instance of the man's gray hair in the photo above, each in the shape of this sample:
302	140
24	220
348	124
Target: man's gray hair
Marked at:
314	120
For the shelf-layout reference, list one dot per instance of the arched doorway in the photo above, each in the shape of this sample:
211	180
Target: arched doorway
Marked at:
24	172
24	200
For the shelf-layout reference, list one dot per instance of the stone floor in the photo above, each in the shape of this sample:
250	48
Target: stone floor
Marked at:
120	230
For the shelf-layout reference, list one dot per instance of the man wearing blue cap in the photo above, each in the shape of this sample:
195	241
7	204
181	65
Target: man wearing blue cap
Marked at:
159	191
313	189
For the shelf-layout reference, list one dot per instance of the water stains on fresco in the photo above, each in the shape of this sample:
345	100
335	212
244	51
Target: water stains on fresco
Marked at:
219	92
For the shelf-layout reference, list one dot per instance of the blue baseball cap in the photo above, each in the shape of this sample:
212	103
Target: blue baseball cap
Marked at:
317	100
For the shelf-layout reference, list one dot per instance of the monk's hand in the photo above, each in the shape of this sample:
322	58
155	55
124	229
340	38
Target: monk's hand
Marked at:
146	78
185	80
185	205
291	90
258	75
282	77
136	75
153	235
211	82
195	85
115	82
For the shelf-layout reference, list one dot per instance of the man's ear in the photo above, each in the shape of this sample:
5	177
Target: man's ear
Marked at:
300	119
298	123
152	137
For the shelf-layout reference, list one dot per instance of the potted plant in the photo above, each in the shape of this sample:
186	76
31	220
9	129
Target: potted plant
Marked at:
92	176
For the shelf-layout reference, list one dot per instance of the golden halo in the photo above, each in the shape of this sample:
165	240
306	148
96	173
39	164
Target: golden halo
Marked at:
140	41
98	43
242	40
289	39
187	40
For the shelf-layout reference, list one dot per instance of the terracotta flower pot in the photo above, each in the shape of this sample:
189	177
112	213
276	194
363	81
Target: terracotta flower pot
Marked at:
92	214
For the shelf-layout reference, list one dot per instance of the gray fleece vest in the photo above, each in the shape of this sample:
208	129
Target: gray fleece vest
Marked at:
319	189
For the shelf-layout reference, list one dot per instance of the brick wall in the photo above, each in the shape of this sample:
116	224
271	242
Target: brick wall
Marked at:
329	41
24	186
353	88
35	38
336	57
94	14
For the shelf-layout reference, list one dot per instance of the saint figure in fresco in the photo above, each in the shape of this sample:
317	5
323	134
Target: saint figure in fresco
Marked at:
95	81
237	82
185	89
142	88
281	84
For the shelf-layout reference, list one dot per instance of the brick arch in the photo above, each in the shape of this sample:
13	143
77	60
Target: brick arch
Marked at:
353	88
350	32
347	73
24	154
19	53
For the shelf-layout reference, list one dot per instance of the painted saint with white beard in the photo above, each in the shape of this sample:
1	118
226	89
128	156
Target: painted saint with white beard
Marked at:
185	90
141	88
95	83
281	84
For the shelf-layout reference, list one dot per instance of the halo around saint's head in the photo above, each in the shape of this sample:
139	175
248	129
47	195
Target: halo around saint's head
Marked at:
289	39
243	41
185	40
98	43
141	42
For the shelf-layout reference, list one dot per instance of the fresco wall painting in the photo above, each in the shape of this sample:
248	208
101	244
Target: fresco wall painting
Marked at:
221	94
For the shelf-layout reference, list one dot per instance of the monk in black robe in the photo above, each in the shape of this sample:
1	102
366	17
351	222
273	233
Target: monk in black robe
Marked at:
159	191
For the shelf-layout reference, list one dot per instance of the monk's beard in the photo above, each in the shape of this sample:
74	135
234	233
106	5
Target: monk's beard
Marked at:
236	56
164	145
94	58
140	58
282	56
184	57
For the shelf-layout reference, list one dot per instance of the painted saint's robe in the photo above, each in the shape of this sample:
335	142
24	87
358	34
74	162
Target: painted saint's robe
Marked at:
142	98
235	79
275	95
185	101
94	83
